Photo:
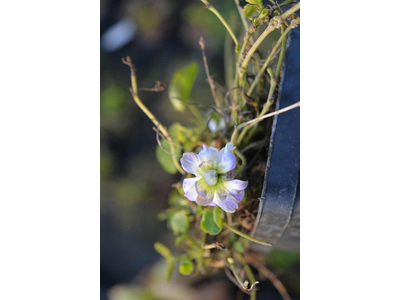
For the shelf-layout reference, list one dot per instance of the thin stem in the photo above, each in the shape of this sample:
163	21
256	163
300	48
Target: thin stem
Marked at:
243	159
247	37
234	134
262	70
274	280
281	55
256	120
212	8
245	284
234	280
250	274
274	82
209	79
274	24
243	18
291	10
134	92
246	236
242	135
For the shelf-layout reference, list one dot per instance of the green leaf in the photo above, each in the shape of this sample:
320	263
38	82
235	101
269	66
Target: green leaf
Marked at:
186	266
208	225
264	13
179	222
258	2
165	159
163	250
249	10
181	86
217	212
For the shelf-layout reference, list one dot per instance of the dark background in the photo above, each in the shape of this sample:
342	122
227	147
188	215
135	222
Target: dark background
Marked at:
160	37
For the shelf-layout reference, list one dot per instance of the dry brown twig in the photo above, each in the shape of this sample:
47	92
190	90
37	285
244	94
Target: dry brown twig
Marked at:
209	79
159	144
256	120
215	245
158	87
163	137
129	63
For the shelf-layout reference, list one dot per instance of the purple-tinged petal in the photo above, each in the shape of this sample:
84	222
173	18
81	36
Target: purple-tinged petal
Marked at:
209	155
222	194
228	147
204	201
190	163
230	175
229	204
239	195
227	163
189	188
226	159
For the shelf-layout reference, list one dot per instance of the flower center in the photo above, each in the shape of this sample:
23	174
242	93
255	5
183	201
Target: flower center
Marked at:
210	177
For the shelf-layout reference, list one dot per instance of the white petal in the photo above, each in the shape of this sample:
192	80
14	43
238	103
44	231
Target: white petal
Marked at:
209	154
189	188
227	162
190	163
235	184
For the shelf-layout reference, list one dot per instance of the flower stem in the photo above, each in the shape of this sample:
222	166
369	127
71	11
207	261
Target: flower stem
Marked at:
246	236
212	8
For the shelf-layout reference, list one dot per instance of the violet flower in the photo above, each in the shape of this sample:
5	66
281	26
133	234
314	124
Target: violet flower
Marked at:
214	183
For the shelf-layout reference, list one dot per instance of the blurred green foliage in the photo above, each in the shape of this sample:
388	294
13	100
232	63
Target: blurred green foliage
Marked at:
179	222
186	266
165	159
283	259
131	292
113	99
169	259
181	86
